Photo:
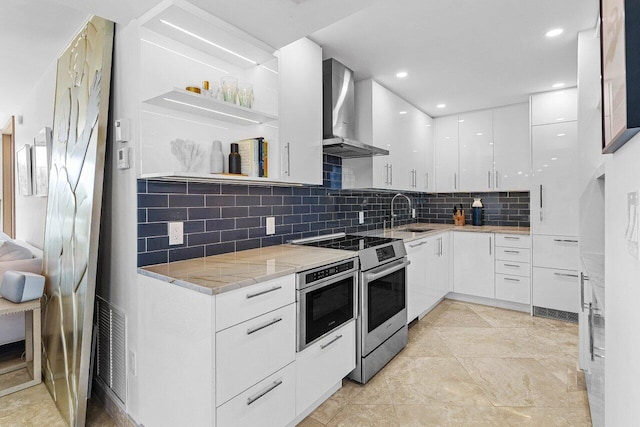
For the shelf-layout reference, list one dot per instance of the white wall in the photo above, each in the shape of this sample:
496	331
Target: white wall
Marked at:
622	277
37	112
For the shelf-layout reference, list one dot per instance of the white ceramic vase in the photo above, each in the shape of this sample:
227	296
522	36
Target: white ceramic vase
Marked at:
217	158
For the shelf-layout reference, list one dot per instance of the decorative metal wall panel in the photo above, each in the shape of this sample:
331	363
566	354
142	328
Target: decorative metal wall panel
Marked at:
73	214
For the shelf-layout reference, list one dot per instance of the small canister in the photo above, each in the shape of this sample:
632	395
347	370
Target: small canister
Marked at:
476	211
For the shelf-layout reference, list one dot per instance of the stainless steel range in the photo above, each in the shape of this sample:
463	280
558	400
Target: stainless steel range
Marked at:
382	314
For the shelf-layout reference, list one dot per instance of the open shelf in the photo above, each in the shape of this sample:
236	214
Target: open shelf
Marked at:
213	177
193	103
194	27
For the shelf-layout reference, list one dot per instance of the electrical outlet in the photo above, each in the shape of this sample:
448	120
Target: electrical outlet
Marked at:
176	233
271	225
132	363
361	217
413	213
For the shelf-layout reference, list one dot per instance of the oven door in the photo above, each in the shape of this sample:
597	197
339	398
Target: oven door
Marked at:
383	302
326	306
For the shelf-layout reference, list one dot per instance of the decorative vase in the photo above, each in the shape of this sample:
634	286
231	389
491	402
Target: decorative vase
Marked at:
234	160
217	158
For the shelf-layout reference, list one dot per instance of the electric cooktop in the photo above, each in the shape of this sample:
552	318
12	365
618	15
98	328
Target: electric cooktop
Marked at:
348	242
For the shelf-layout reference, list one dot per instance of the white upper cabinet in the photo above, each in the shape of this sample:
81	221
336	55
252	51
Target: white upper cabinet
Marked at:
554	198
300	70
475	133
511	148
389	122
446	153
429	177
554	107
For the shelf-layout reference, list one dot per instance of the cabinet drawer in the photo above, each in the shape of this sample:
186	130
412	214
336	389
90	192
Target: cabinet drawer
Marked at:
243	304
513	288
270	403
512	254
251	351
557	289
556	252
513	268
324	364
513	240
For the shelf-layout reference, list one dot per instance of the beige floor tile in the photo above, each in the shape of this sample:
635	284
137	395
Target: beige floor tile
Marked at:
566	370
310	422
554	341
484	342
427	343
476	416
520	382
376	392
432	381
459	315
330	407
501	318
556	417
366	416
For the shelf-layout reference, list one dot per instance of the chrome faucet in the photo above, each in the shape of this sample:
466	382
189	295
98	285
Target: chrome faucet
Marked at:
393	216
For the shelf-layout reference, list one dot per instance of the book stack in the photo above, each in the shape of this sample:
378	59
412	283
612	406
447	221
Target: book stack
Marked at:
254	157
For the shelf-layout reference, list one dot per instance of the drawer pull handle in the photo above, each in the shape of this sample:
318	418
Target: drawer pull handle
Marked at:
511	252
418	244
511	238
565	240
323	346
512	265
266	325
257	294
566	275
511	280
252	399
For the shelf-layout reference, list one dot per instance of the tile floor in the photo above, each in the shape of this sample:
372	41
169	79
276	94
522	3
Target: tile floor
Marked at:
465	365
470	365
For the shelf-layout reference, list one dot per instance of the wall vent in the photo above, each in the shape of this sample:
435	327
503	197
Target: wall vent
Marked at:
112	368
550	313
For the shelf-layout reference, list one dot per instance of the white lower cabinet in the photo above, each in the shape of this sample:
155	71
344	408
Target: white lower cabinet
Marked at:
252	350
513	288
417	287
270	403
556	289
438	268
473	265
324	364
556	252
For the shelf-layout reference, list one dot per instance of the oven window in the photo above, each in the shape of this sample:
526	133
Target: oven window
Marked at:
328	307
386	298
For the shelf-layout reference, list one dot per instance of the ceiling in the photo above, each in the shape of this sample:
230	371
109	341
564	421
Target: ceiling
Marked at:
468	54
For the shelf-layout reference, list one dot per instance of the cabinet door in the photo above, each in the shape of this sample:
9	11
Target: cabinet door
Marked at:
428	178
511	148
417	289
473	268
384	125
444	265
446	153
475	133
556	289
554	107
300	71
554	194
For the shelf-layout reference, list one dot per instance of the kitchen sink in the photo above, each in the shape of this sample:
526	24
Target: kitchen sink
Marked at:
418	230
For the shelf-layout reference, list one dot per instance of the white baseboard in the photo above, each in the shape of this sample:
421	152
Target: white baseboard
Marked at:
526	308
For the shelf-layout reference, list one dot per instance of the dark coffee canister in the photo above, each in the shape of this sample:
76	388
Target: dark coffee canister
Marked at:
476	212
234	160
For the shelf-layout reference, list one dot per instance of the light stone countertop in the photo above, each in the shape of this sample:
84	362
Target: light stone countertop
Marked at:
222	273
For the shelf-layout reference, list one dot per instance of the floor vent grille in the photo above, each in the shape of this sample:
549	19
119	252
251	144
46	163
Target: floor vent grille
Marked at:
111	348
550	313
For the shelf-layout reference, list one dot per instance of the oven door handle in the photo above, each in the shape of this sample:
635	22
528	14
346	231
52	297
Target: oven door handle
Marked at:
386	270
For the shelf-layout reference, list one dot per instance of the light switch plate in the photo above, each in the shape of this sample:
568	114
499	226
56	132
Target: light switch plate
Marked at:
271	225
176	233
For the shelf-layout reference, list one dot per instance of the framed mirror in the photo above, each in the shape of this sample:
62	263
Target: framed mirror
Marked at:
41	162
23	170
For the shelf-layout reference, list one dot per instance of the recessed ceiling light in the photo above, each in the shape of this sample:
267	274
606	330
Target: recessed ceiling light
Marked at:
554	158
461	121
441	105
447	137
559	119
402	74
479	134
558	85
403	112
555	32
428	125
561	134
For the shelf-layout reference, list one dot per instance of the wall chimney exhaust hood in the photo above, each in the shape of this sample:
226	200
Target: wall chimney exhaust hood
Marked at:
339	114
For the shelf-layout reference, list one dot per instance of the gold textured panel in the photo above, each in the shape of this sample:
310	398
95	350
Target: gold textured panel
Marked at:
73	214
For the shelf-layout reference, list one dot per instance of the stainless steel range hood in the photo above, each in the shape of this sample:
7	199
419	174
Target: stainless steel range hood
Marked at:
339	115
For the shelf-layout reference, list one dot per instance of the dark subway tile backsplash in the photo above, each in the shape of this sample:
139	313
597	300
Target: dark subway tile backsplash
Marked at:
223	218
